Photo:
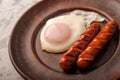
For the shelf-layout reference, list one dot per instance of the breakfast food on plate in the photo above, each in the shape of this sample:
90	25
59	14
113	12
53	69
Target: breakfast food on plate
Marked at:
70	57
61	32
89	54
69	32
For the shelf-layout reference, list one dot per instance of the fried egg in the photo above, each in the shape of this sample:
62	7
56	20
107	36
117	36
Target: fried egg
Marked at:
61	32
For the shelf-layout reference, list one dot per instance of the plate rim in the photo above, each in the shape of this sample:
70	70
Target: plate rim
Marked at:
10	39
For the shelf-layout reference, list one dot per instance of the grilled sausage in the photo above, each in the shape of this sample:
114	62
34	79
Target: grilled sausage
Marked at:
70	57
92	50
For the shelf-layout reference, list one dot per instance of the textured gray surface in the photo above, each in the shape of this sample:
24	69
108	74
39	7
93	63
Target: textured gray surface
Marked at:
10	12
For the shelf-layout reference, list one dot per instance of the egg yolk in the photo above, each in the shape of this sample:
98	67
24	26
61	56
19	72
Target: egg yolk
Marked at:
57	33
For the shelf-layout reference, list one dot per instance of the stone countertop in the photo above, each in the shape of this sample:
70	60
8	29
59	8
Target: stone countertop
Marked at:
10	12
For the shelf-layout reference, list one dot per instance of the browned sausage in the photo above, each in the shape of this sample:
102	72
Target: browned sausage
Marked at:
89	54
69	58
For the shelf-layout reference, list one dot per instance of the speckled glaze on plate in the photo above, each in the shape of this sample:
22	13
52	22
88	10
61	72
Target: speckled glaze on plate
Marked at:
33	63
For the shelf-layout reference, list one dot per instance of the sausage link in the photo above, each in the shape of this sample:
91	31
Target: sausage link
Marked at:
70	57
92	50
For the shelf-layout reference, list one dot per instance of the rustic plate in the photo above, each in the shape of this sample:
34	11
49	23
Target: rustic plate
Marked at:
33	63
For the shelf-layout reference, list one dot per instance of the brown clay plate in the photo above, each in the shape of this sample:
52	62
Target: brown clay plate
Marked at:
33	63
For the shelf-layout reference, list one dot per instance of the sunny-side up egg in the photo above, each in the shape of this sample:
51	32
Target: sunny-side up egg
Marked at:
60	33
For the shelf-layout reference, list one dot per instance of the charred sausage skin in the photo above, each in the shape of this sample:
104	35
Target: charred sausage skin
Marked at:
92	50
